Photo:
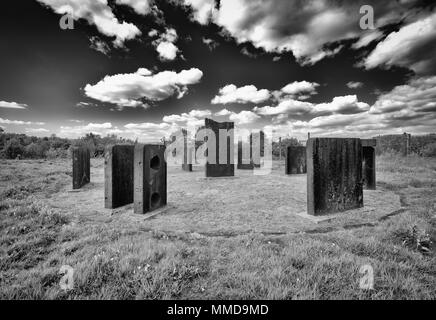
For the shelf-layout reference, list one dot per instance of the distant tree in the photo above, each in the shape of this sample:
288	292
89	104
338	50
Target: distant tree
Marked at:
13	149
286	142
34	151
429	150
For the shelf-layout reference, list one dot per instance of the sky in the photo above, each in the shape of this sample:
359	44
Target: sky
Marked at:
144	68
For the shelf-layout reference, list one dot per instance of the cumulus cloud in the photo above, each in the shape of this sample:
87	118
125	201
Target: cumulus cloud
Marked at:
295	108
300	87
247	53
413	102
301	27
141	7
342	105
338	125
366	38
148	126
304	28
334	121
354	84
243	117
193	118
210	43
12	105
95	128
290	106
202	9
99	45
165	46
98	13
135	89
153	33
146	132
413	46
20	122
167	50
223	112
36	130
410	107
232	94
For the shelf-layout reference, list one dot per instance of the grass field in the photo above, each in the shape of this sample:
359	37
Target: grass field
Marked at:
233	238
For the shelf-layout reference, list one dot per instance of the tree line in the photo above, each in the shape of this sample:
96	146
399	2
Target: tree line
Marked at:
22	146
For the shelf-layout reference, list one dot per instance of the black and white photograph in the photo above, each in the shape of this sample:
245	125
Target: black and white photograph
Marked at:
241	152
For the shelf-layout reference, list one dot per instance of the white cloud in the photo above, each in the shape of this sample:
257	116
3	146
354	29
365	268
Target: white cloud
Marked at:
20	122
141	7
99	45
147	132
167	50
210	43
95	128
366	38
203	9
339	105
144	72
36	130
98	13
165	44
354	84
232	94
268	25
170	35
410	107
13	105
148	126
334	121
193	118
303	27
413	46
243	117
131	89
289	106
414	101
153	33
336	125
247	53
342	105
298	87
200	113
223	112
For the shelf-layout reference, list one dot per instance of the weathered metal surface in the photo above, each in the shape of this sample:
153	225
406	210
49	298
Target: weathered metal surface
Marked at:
150	178
406	143
225	167
187	153
369	142
244	160
334	175
368	168
257	140
81	167
295	160
118	176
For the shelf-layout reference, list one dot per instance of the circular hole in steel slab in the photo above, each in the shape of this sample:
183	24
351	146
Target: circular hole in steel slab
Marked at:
155	199
155	163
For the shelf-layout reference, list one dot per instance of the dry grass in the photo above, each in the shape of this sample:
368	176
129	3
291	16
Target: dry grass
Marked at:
211	246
